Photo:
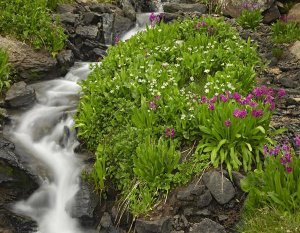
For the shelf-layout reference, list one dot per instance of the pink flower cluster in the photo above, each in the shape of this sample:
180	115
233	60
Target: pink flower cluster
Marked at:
154	18
170	132
152	104
200	25
284	151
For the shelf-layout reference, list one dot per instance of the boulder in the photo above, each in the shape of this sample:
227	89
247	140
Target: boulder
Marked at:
169	17
88	32
295	49
128	9
204	200
219	186
294	13
106	8
207	226
68	18
17	183
182	7
122	25
86	201
163	225
233	8
28	63
65	59
271	14
91	18
20	95
65	8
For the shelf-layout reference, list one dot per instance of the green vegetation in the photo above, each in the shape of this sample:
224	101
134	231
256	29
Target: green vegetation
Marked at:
251	16
142	110
30	20
270	220
4	70
284	31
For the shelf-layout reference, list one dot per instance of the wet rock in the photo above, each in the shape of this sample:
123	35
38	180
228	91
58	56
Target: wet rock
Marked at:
128	9
219	186
207	226
68	18
107	28
271	14
182	7
295	49
294	13
86	201
122	25
28	63
65	8
162	225
17	183
204	200
20	95
65	59
88	32
169	17
106	221
91	18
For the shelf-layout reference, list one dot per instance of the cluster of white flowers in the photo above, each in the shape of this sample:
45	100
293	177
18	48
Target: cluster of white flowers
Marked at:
217	87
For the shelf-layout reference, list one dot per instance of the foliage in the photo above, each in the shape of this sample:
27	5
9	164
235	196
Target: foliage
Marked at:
235	129
31	21
147	88
251	16
278	184
284	31
270	220
277	52
4	70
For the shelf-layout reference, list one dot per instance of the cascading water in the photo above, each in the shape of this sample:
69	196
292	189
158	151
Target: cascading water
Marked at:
44	132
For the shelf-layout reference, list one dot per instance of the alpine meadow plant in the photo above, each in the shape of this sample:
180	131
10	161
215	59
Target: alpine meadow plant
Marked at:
235	128
149	88
277	185
251	15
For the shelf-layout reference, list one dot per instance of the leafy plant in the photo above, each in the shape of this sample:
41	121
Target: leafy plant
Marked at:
277	52
278	184
235	129
4	70
251	16
284	31
30	20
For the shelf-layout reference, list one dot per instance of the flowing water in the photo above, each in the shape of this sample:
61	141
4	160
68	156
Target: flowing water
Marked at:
44	136
45	133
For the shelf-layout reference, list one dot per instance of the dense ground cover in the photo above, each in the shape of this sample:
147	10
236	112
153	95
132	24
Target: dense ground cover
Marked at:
167	103
30	20
4	70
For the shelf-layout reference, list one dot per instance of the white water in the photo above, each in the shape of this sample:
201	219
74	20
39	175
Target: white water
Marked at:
41	133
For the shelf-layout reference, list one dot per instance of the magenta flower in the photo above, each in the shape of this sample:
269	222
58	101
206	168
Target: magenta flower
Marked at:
257	113
240	113
203	99
297	140
281	93
236	113
258	91
236	96
253	104
227	123
213	99
152	17
152	105
223	98
289	169
211	107
157	97
117	39
170	132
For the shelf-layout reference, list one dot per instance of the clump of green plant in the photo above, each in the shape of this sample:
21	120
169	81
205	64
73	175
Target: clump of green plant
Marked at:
277	52
270	220
278	184
4	70
285	31
147	88
31	21
251	16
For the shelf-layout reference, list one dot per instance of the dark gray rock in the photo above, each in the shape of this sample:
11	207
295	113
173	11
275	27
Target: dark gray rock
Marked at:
65	59
20	95
122	25
219	186
68	18
105	221
162	225
91	18
17	183
188	193
271	14
86	201
237	177
97	54
88	32
65	8
207	226
204	200
182	7
290	79
106	8
169	17
107	28
128	9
